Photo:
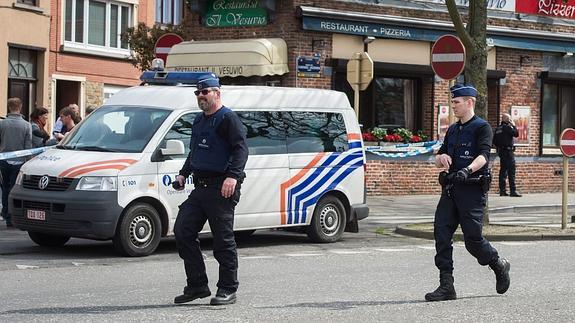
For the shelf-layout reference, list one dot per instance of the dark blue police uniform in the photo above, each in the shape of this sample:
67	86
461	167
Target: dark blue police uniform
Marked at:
462	201
218	150
503	140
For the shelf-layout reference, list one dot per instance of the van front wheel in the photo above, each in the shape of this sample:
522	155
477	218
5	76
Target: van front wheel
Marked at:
139	231
328	221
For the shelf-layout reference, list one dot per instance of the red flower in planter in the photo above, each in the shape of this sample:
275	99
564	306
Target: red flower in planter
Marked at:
368	137
415	138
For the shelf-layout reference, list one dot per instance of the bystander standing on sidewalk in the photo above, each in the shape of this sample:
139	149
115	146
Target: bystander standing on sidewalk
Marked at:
15	134
503	141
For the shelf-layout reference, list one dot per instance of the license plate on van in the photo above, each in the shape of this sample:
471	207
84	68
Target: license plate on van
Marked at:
36	215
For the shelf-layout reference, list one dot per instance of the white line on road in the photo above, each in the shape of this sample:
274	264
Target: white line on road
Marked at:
257	257
26	267
348	252
303	254
392	250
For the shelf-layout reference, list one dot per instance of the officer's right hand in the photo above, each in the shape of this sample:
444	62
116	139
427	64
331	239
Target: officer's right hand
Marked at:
181	180
445	161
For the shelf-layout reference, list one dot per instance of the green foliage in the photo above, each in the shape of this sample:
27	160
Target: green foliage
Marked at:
404	133
142	40
379	133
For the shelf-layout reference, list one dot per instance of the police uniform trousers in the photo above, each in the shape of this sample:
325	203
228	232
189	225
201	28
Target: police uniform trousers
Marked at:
507	169
207	204
462	204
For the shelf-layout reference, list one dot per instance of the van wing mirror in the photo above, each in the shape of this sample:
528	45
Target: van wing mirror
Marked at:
173	147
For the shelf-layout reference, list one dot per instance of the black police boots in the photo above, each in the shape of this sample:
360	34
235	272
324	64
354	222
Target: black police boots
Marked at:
191	294
501	268
445	291
515	194
223	297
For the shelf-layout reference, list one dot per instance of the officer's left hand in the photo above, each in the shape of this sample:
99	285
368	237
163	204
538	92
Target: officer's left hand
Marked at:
229	187
462	174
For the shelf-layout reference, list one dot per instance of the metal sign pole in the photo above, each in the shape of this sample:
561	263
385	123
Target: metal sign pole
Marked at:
565	192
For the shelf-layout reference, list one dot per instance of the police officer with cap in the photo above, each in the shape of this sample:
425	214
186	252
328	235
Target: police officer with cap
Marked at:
464	154
218	155
503	140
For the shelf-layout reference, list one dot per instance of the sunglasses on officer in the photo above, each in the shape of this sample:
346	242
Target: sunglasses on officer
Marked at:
203	92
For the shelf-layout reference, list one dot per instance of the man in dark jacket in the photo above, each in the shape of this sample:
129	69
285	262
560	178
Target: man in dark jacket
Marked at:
503	140
15	134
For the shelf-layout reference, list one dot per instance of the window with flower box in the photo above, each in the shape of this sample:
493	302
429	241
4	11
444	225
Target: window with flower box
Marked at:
97	25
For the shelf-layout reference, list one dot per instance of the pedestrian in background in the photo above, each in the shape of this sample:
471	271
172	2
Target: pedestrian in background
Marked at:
15	134
218	155
68	117
503	141
464	154
38	120
57	131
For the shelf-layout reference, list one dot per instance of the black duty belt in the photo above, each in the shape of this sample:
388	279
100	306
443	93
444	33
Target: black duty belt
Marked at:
209	181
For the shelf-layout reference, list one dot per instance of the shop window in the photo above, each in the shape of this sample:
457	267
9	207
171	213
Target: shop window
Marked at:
557	112
169	11
98	23
394	102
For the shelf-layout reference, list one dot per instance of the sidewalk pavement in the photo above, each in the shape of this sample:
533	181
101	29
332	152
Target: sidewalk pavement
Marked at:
531	217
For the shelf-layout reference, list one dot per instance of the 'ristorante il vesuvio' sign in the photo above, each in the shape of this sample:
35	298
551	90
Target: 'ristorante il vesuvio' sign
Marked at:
553	8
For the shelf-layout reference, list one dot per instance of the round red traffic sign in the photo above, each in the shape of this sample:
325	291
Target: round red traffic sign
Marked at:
164	43
567	142
448	57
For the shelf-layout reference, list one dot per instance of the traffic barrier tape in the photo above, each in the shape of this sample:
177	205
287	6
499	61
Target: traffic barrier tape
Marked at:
404	150
23	153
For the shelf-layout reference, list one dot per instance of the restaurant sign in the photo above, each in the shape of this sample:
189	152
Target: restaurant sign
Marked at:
234	13
505	5
552	8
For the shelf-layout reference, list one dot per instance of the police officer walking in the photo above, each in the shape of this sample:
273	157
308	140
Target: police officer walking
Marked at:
218	155
464	154
503	140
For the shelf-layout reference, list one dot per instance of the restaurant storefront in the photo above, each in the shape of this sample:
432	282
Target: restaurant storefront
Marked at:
531	73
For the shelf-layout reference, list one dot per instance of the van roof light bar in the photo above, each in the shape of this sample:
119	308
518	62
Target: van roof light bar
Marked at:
173	77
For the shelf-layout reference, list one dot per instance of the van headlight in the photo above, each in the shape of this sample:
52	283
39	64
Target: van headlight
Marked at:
97	183
19	178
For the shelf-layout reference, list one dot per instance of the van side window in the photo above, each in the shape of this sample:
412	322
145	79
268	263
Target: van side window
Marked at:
181	130
309	132
265	132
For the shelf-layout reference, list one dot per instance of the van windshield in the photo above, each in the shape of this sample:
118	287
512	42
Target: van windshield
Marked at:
116	129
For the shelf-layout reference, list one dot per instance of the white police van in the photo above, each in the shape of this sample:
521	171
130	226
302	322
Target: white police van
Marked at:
111	177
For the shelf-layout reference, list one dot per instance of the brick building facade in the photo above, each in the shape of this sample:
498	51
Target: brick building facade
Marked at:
529	69
87	60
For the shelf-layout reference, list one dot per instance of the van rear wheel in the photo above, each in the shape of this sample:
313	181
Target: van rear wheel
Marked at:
139	231
48	240
328	221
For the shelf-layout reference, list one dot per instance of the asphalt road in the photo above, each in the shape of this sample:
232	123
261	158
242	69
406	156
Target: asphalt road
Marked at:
283	277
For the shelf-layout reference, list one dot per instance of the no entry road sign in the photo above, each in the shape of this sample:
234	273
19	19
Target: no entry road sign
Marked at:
567	142
448	57
164	43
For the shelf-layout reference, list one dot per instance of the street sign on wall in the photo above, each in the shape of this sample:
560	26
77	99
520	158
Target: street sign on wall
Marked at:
448	57
567	142
164	43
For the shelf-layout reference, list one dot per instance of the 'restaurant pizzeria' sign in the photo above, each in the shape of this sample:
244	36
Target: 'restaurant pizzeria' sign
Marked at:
553	8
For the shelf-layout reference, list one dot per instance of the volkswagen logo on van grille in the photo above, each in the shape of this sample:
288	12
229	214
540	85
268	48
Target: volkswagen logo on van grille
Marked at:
43	182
